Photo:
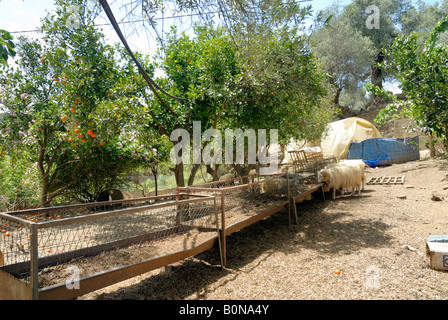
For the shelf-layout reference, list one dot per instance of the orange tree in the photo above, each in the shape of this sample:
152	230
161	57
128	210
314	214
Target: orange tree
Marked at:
198	70
279	86
423	80
64	103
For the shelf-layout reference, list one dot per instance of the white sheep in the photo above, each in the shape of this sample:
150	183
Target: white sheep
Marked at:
343	175
351	162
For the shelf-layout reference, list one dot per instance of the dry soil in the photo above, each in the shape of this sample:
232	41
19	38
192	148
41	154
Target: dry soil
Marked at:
367	247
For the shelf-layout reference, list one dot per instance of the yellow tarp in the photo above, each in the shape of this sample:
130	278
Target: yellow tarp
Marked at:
340	134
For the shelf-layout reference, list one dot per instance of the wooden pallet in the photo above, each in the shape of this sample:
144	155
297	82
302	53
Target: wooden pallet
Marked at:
386	180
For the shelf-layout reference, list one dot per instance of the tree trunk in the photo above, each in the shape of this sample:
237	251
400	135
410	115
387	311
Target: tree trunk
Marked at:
432	149
193	172
336	97
179	174
213	171
44	195
376	72
154	172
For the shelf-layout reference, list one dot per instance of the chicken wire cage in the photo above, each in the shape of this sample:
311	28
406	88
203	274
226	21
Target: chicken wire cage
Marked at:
245	200
37	246
244	196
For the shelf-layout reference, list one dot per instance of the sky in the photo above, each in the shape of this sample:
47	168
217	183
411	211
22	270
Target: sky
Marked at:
25	15
19	17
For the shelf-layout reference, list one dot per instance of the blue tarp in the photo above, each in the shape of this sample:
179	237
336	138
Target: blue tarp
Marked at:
398	150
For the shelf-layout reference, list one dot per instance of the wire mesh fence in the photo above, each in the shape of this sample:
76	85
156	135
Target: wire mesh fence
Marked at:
245	200
38	245
97	237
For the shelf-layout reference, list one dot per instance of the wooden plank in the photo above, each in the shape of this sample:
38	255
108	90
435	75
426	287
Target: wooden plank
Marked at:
223	227
100	280
12	288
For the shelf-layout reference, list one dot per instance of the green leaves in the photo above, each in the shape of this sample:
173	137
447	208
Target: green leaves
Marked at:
422	74
67	103
7	47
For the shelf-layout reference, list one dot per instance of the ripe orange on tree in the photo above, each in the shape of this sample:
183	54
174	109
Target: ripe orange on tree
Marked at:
76	101
93	135
89	132
76	130
102	143
42	60
63	118
72	110
56	79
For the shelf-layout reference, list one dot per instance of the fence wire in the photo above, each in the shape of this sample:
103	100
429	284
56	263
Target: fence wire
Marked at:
96	238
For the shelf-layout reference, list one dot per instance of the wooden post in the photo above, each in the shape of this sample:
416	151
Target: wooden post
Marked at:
253	186
34	260
223	229
295	211
221	255
288	196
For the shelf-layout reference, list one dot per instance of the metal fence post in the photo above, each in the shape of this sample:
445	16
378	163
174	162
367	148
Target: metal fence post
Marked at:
223	228
34	259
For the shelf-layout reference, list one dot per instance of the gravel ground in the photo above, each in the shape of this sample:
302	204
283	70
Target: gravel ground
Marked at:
351	248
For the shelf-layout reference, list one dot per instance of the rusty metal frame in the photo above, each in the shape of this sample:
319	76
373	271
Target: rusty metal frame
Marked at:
21	290
18	289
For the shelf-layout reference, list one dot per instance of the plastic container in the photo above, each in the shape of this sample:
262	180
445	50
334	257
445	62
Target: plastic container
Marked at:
380	162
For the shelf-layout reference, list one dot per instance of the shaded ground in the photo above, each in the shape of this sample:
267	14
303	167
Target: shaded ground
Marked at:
376	241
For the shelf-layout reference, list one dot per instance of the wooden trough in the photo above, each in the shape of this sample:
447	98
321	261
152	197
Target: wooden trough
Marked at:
131	237
67	237
246	200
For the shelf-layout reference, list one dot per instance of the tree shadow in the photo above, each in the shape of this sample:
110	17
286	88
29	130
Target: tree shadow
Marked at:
327	234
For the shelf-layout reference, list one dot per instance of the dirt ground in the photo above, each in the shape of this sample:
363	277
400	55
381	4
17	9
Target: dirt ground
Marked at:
351	248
